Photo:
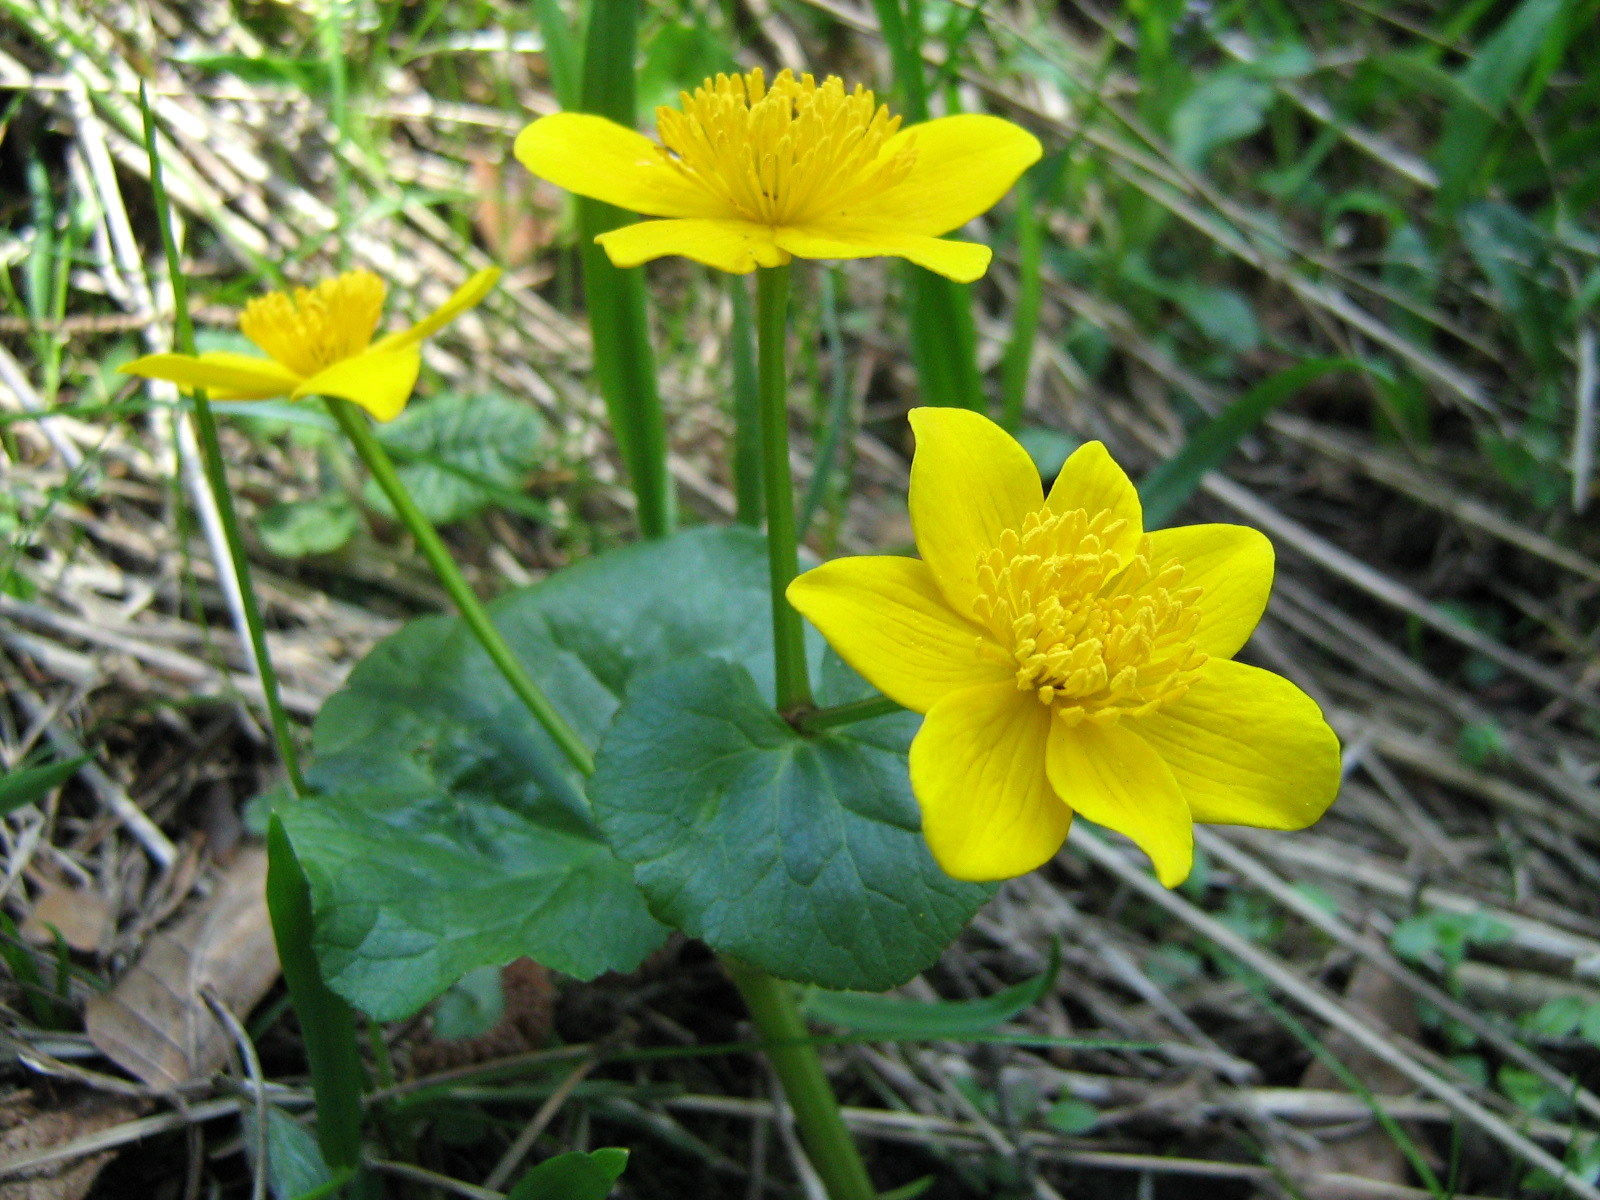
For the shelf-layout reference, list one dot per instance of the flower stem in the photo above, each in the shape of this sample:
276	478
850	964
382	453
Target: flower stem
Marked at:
783	562
819	719
216	477
354	424
793	1055
746	407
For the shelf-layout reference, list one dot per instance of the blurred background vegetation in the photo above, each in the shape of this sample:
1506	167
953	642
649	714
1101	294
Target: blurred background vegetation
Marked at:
1327	267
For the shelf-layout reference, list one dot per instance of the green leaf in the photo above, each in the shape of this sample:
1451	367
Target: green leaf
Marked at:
444	836
440	796
459	454
295	1165
1223	108
1073	1116
1166	489
573	1176
801	856
28	784
472	1006
296	528
890	1016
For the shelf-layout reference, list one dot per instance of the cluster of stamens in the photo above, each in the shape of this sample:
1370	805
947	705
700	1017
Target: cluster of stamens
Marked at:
316	327
785	154
1094	634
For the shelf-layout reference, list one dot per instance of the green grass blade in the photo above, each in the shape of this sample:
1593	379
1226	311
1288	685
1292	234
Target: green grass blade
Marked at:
327	1023
837	414
624	363
1025	322
28	784
944	339
563	53
1166	489
956	1019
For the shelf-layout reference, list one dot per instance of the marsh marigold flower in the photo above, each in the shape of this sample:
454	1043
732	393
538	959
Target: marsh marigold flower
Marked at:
318	342
748	175
1069	661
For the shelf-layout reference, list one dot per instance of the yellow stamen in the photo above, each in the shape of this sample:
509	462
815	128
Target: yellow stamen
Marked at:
316	327
789	154
1093	634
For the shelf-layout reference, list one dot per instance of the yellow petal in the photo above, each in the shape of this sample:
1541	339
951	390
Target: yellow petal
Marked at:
380	381
732	245
1247	747
1234	565
464	297
224	375
888	619
961	261
595	157
1091	480
964	165
970	481
978	771
1114	777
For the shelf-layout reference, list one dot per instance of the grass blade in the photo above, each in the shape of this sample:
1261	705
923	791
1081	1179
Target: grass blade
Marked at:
1166	489
624	363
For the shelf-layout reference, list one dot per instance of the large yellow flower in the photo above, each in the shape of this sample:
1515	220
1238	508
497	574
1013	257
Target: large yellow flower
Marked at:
318	342
1069	661
749	175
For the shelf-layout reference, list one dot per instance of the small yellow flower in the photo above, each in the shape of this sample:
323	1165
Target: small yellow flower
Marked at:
318	342
749	175
1069	661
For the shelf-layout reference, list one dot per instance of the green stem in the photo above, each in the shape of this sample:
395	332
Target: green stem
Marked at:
793	1055
354	424
746	408
783	559
216	476
819	719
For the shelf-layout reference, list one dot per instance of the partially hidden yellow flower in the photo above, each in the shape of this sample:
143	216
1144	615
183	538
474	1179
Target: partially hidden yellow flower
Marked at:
318	342
748	175
1069	661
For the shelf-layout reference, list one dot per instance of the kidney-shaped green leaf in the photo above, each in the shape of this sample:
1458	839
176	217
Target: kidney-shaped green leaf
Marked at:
445	832
799	855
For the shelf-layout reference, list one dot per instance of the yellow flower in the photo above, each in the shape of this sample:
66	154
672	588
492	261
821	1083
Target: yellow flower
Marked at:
1069	661
749	175
318	342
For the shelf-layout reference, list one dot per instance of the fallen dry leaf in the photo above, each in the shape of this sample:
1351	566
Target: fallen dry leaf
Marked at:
83	917
26	1130
1366	1151
155	1024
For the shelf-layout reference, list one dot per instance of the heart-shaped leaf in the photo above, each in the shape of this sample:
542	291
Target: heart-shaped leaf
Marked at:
802	856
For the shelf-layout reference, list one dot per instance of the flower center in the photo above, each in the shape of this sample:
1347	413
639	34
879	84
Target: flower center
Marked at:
788	154
316	327
1095	635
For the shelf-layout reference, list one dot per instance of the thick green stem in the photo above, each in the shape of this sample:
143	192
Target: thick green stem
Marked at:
783	560
354	423
793	1055
746	408
819	719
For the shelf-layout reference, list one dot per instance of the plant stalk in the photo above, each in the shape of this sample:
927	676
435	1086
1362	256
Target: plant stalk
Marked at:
793	1055
819	719
746	408
216	476
783	559
354	424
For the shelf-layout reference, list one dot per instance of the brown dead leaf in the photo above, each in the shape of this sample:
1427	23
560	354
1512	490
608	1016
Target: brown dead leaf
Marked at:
26	1130
1365	1151
155	1024
517	214
83	917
